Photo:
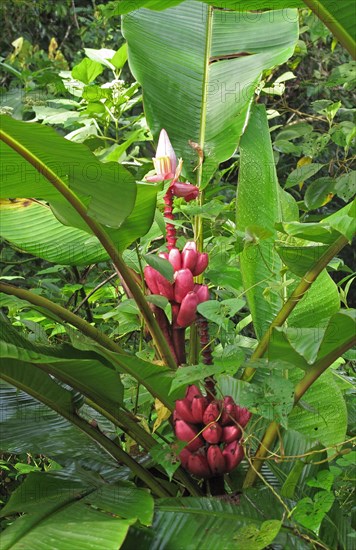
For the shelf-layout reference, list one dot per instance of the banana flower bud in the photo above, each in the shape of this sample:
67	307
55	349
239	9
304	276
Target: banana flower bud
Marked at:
165	161
186	191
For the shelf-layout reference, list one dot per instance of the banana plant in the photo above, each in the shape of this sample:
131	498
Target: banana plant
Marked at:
74	210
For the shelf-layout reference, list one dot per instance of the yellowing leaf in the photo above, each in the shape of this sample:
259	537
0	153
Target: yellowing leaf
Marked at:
303	162
53	46
328	198
162	414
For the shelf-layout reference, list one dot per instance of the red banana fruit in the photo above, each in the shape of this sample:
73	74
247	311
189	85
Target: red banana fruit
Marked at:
174	257
233	454
229	411
199	404
243	415
187	432
211	413
216	460
184	457
184	411
150	278
202	292
198	465
189	258
230	434
188	310
183	284
212	433
192	391
201	263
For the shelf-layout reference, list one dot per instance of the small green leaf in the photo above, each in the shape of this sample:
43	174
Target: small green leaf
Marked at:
310	513
323	480
345	186
87	70
290	484
251	537
299	175
167	456
120	57
164	267
318	192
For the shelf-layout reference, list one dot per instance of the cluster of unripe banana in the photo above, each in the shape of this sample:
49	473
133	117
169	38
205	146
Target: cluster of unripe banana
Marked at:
183	293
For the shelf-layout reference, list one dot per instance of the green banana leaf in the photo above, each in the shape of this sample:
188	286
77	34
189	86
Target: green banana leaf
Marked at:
199	69
63	511
83	370
251	522
32	227
121	7
340	18
29	426
258	206
107	190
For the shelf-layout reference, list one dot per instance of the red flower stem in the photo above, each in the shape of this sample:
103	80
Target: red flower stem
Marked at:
203	329
168	214
179	344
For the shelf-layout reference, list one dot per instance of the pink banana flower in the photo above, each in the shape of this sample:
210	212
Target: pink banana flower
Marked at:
165	161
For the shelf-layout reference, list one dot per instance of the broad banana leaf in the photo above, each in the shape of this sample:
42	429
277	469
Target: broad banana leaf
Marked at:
258	208
63	511
28	151
260	205
340	18
251	521
199	68
32	227
120	7
107	191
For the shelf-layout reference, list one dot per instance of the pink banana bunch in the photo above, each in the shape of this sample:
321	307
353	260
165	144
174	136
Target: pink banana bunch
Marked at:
183	293
213	432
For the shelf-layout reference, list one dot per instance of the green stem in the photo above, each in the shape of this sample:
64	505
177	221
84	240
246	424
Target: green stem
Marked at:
129	425
108	345
119	417
333	24
293	300
300	389
198	222
109	446
64	314
106	242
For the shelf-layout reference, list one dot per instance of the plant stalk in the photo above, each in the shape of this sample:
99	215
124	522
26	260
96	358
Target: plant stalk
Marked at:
64	314
293	300
301	388
109	446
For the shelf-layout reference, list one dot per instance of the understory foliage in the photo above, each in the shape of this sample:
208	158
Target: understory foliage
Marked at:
177	288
